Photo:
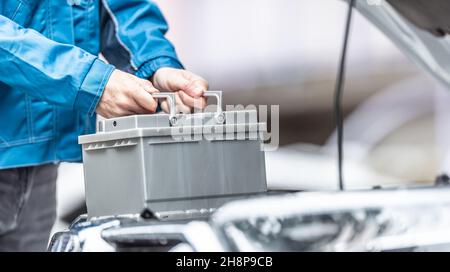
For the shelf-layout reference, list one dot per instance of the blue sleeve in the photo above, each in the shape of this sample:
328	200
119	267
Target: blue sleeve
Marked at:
133	37
58	73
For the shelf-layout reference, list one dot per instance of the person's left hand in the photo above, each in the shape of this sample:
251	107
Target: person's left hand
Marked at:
187	86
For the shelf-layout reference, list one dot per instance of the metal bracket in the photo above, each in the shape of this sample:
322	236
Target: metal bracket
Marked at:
220	115
170	97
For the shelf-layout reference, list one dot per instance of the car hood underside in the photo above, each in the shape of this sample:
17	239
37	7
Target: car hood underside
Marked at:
418	28
430	15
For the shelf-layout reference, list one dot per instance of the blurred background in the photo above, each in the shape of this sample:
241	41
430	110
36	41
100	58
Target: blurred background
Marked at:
285	52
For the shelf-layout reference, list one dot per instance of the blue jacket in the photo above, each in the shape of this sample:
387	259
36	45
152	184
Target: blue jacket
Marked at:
51	78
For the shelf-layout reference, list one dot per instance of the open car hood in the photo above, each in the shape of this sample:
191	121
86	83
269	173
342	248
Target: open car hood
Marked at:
418	27
431	15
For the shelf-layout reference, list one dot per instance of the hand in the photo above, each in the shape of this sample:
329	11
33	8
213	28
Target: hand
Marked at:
126	94
188	88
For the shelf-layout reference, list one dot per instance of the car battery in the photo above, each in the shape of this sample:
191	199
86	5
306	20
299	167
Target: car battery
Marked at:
173	162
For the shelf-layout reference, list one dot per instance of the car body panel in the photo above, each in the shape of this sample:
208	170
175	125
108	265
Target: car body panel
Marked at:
427	50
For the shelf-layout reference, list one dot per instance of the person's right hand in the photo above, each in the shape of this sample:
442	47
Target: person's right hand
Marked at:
126	94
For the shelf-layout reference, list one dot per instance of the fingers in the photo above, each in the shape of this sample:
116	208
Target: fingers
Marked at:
197	102
165	106
195	85
188	88
182	83
145	101
174	80
147	85
185	103
126	94
181	107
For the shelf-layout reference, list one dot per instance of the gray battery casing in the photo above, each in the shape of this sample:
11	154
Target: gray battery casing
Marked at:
143	161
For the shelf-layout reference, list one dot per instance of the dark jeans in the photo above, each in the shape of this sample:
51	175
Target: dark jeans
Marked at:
27	207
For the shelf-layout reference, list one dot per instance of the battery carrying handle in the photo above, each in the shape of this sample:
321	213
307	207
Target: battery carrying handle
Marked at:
170	98
219	116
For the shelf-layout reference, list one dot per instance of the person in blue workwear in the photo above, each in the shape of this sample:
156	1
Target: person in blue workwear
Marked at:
52	84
